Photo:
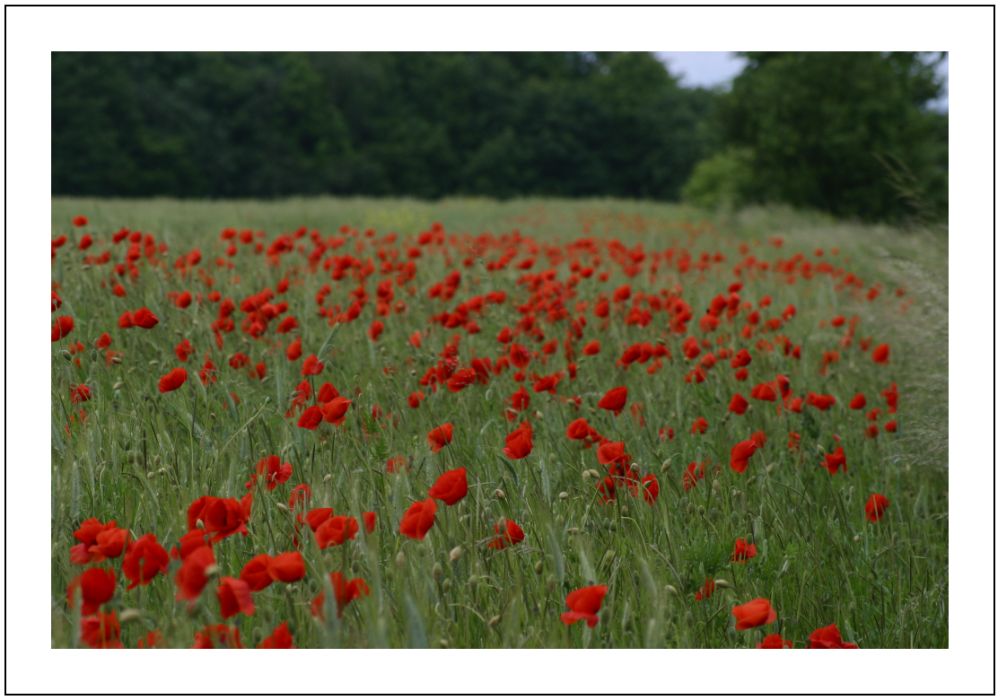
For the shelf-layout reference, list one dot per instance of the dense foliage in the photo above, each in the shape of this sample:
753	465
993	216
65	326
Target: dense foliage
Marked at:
848	133
417	124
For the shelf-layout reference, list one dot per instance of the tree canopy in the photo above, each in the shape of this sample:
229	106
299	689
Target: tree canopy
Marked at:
848	133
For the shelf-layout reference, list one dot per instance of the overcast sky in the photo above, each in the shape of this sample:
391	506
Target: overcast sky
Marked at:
712	68
702	68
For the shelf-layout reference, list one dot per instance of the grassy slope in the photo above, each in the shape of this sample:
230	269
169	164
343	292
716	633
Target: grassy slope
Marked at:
142	458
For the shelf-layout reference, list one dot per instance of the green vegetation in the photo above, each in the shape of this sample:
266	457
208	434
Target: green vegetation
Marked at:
846	133
141	457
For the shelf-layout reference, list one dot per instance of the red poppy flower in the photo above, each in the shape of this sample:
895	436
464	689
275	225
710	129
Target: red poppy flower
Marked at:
287	568
754	613
336	530
173	380
578	429
335	410
344	592
738	405
592	348
311	418
858	402
835	461
821	401
101	631
368	518
740	455
829	638
880	354
256	572
318	516
440	436
193	575
96	587
742	550
62	327
234	597
418	519
221	517
774	641
450	487
510	534
294	350
98	541
614	400
214	636
692	474
706	591
584	604
740	359
699	426
763	392
79	393
327	393
311	366
612	453
875	507
144	318
144	559
650	488
152	640
519	442
80	221
280	638
273	470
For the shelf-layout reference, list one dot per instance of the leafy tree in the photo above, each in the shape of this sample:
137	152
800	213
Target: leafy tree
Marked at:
848	133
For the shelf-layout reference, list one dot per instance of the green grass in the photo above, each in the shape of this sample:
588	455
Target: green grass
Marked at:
141	457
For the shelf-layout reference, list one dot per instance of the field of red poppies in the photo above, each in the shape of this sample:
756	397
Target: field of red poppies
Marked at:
362	423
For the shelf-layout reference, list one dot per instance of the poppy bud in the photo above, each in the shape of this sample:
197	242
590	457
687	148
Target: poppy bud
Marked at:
500	494
455	554
670	589
437	571
572	531
211	570
446	584
400	559
443	643
494	621
563	495
722	583
539	567
129	614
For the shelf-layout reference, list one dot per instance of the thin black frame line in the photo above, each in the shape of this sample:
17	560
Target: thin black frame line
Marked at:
993	693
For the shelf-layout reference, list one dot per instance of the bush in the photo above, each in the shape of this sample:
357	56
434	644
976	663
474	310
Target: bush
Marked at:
722	181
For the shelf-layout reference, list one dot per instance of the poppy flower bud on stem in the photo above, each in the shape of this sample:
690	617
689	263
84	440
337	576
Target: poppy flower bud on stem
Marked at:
494	621
539	567
670	589
563	495
500	494
455	554
129	614
400	559
437	572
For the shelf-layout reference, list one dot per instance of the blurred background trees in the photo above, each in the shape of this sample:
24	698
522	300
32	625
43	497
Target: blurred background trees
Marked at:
847	133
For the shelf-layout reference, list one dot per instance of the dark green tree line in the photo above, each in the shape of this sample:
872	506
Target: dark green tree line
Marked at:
848	133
